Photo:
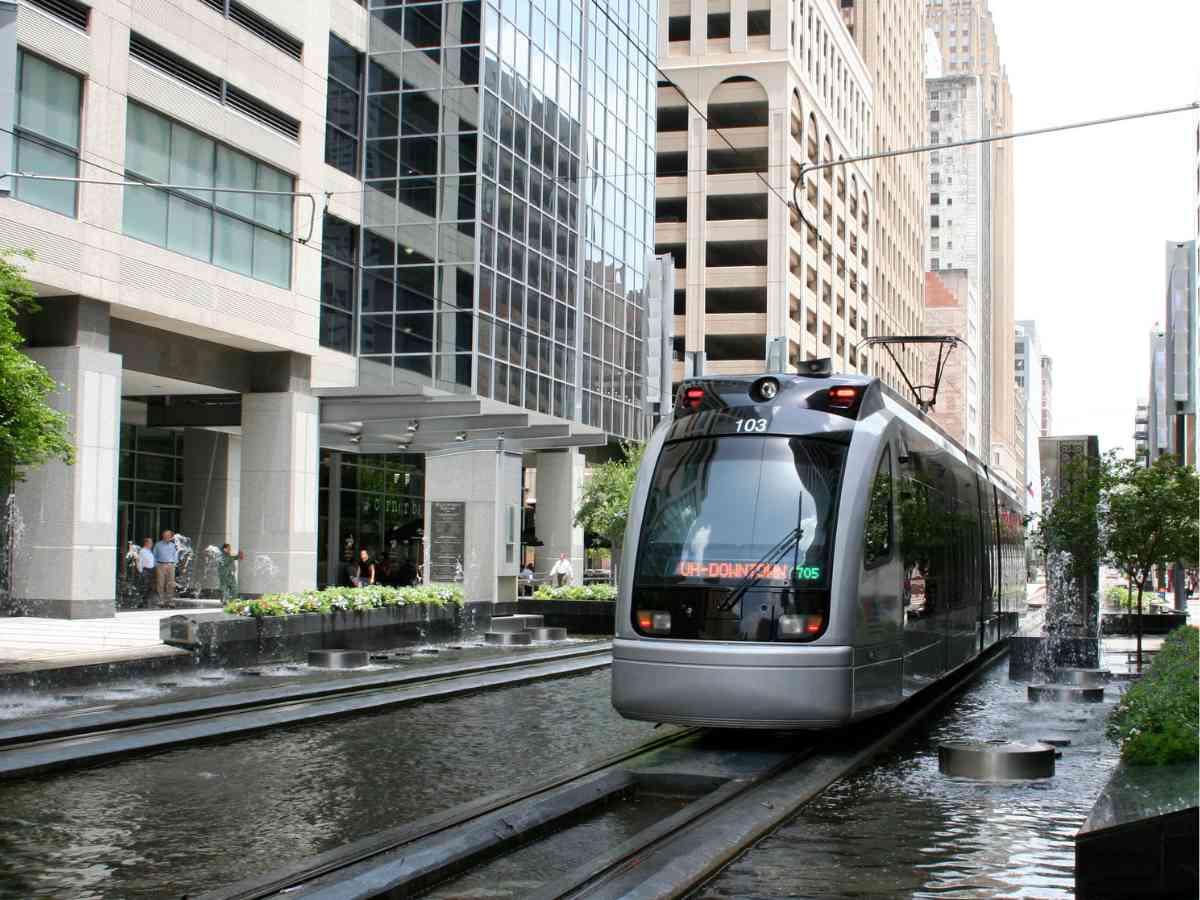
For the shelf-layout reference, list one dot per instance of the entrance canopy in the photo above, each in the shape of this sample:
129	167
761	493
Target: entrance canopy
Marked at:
418	418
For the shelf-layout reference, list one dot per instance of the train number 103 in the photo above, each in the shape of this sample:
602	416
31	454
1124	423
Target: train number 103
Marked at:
752	426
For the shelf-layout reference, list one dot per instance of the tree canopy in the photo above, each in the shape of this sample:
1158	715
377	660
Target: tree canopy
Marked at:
604	507
31	432
1150	516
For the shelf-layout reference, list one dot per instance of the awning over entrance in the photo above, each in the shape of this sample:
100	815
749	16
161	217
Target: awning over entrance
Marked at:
416	419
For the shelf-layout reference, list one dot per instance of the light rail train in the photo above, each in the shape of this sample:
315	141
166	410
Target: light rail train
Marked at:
805	551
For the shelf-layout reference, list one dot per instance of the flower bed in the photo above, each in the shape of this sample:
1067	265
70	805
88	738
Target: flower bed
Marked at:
1156	720
346	599
605	592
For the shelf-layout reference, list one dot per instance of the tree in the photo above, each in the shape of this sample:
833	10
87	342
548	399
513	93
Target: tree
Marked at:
31	432
1150	518
604	507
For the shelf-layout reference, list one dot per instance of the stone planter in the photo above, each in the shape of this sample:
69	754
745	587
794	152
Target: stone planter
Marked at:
577	616
1152	623
226	638
1140	838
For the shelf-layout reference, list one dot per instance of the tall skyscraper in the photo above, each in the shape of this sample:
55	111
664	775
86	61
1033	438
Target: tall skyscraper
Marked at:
1047	396
890	34
302	323
966	36
758	95
959	229
1027	350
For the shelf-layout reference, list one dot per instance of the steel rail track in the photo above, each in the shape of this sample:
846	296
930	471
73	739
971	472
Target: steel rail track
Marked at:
683	852
61	742
395	839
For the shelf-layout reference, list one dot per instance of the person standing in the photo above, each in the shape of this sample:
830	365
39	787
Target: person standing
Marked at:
562	572
166	555
145	569
227	574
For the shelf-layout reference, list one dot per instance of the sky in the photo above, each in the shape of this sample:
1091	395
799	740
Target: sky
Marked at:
1095	207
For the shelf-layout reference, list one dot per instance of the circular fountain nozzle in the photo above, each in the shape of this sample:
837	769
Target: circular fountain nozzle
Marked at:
548	634
996	760
338	659
1064	693
508	639
1082	677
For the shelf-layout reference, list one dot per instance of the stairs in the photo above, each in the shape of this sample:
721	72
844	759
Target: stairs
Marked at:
520	630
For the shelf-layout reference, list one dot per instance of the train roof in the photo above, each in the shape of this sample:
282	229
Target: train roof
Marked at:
853	379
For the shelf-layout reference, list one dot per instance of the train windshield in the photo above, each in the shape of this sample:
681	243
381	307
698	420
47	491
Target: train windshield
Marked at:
719	509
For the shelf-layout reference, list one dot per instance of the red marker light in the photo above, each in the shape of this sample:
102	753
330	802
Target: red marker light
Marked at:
693	397
814	624
645	622
842	397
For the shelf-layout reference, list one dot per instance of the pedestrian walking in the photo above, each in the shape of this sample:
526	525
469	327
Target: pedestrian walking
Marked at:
227	573
145	570
166	555
364	573
562	572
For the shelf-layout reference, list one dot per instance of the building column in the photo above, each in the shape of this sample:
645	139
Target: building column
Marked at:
212	473
473	520
559	486
64	563
277	518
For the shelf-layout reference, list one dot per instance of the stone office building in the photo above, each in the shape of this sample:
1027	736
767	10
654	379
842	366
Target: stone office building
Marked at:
386	258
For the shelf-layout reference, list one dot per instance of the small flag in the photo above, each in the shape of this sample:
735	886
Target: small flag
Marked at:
1029	487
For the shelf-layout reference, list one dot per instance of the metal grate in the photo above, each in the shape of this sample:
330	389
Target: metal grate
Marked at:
69	11
176	66
273	35
256	109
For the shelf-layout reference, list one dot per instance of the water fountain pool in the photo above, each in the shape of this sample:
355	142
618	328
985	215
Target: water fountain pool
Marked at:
900	828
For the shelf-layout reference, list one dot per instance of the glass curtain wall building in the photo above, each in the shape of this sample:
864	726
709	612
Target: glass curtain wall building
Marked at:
508	207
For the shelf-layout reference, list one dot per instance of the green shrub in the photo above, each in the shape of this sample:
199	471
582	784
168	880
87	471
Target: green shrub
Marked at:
346	599
1156	720
572	592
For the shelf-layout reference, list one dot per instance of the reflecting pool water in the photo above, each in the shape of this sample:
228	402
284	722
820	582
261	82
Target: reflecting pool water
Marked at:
192	819
899	828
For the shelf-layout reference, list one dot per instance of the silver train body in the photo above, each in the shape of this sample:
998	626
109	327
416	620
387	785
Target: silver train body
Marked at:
806	553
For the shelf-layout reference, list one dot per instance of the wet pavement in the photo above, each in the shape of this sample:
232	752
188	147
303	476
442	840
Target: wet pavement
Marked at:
192	819
899	828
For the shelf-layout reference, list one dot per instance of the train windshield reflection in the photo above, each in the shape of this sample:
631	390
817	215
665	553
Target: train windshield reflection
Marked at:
718	506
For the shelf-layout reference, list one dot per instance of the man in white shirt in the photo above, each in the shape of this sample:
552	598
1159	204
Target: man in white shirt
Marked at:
562	572
145	568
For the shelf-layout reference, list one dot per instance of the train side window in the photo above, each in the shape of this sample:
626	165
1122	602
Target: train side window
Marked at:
877	537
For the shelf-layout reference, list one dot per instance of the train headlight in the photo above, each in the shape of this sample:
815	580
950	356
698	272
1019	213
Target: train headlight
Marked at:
797	628
765	389
653	621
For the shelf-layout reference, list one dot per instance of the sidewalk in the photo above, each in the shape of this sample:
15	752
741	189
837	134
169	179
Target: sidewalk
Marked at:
29	643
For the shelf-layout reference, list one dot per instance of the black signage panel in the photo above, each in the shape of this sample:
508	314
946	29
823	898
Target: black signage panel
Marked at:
447	540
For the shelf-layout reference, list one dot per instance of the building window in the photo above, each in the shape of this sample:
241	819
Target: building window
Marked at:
933	222
934	264
47	133
343	106
758	22
933	243
339	257
934	115
934	199
244	232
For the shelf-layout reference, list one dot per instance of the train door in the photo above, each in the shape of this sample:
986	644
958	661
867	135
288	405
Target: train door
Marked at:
878	648
920	519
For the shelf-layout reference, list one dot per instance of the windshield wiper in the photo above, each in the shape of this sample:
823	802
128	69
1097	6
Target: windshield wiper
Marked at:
757	569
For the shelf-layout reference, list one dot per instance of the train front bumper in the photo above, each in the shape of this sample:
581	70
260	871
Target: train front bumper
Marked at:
732	684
